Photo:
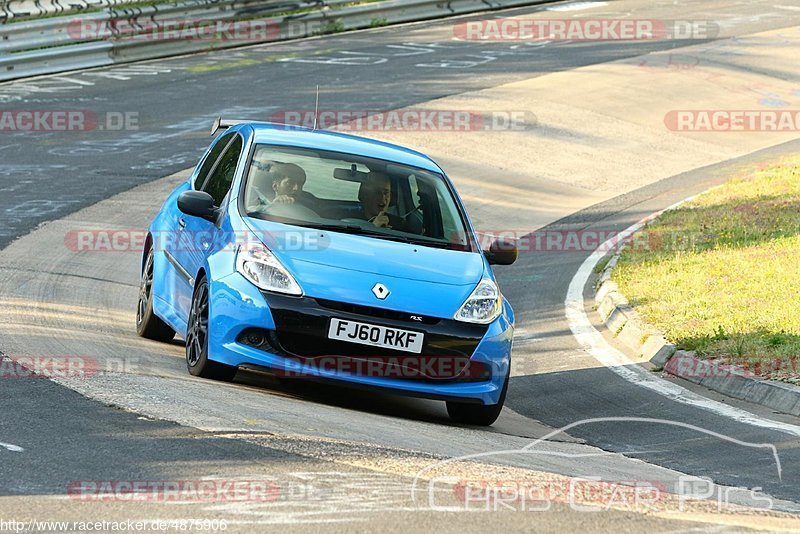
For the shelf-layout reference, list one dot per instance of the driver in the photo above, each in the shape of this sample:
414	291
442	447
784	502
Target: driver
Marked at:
375	195
288	180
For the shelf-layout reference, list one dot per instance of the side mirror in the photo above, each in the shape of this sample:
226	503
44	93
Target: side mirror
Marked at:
502	252
197	204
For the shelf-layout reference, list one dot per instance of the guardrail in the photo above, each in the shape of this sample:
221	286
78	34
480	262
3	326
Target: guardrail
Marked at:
59	31
26	9
126	33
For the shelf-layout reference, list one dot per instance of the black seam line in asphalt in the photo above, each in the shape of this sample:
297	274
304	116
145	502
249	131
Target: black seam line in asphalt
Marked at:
373	448
302	438
83	277
772	73
573	441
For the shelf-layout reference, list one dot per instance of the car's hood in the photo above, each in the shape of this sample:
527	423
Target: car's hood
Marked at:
346	267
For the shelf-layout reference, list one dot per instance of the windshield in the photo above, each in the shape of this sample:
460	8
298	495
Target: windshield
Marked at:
353	194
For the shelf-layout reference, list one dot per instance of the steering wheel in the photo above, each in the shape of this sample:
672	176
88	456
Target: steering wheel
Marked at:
261	196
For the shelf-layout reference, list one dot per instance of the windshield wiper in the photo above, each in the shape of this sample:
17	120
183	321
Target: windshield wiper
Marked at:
358	230
431	243
344	228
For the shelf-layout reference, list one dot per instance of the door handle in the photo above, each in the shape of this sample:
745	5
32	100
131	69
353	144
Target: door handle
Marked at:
182	223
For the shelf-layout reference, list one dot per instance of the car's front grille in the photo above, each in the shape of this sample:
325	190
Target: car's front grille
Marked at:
365	361
302	334
376	313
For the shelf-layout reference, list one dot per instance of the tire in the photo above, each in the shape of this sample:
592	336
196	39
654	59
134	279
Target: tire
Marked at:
197	340
148	324
475	414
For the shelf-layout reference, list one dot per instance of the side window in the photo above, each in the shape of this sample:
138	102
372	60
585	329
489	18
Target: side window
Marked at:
219	183
209	162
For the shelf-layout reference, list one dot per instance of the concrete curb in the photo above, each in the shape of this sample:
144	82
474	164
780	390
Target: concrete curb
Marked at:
649	344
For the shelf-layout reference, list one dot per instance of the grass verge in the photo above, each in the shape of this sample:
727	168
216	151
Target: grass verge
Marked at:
721	274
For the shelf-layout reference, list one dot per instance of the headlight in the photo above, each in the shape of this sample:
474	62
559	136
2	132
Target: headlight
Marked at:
255	262
482	306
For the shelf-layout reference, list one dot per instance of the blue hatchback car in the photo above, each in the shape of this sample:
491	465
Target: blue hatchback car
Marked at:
330	257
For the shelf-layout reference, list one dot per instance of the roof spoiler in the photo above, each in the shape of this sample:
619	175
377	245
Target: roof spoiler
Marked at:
224	124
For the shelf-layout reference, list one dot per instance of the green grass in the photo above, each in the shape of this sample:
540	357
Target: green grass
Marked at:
721	275
601	265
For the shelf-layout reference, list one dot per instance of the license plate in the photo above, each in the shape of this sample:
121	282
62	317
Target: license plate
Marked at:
376	336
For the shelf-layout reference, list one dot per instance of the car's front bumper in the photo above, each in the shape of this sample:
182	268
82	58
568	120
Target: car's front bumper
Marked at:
459	361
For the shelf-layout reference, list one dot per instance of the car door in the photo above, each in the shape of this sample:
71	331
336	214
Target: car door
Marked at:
169	238
197	235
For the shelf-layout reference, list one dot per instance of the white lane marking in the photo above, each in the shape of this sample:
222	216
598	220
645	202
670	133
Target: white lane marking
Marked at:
576	6
411	50
12	448
593	342
76	81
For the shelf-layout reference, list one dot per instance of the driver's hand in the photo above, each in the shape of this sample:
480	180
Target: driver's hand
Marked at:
283	199
381	220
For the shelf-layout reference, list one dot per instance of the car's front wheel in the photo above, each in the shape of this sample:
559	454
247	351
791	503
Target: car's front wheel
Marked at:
197	340
474	414
148	324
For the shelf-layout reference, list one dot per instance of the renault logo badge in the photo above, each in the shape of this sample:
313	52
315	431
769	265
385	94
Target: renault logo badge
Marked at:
380	291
